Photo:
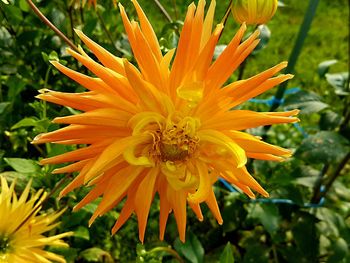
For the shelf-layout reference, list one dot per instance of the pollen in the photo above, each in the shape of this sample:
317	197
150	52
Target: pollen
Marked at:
176	141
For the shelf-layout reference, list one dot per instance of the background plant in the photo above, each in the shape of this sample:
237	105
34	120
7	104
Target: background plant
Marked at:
307	219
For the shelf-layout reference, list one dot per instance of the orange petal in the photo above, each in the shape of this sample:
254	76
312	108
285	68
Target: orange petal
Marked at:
143	199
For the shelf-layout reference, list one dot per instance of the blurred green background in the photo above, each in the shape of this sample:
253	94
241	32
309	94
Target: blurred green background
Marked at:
306	219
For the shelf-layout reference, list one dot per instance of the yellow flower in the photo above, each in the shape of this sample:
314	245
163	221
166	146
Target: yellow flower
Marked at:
22	228
166	127
253	12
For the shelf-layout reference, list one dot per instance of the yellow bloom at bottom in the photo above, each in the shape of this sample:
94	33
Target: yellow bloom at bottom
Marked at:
22	227
166	127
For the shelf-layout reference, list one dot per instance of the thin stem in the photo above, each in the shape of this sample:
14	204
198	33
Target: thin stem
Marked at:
103	24
1	97
275	255
37	147
81	11
317	187
57	186
163	10
227	12
344	124
336	173
50	25
242	69
318	195
225	17
303	31
71	22
168	250
175	9
46	80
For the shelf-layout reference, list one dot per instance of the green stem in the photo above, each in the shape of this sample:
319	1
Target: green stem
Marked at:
50	25
317	187
227	12
57	186
336	173
71	22
303	31
225	17
163	10
1	97
175	9
168	250
345	123
103	24
46	80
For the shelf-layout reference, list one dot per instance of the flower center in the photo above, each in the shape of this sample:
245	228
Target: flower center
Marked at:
4	244
176	141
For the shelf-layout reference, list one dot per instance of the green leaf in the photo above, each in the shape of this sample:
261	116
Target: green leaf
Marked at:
329	120
323	67
96	254
339	82
16	14
281	4
16	84
3	106
265	35
192	249
26	122
24	5
268	215
306	236
323	147
6	39
82	232
21	179
227	254
339	250
23	165
306	181
307	102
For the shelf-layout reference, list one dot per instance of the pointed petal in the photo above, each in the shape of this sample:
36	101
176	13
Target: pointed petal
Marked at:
148	31
208	24
143	199
178	203
107	59
213	206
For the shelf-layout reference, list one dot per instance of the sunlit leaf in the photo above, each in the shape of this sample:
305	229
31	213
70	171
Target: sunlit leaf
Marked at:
192	249
227	254
307	102
323	147
340	82
324	66
23	165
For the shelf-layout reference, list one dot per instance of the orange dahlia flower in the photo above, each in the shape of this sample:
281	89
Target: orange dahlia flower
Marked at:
164	127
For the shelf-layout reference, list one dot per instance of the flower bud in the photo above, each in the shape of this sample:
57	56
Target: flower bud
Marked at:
253	11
